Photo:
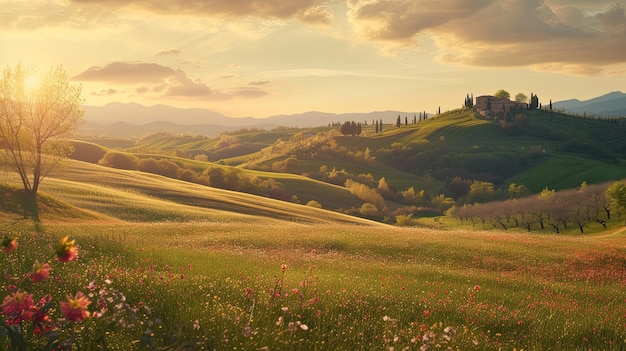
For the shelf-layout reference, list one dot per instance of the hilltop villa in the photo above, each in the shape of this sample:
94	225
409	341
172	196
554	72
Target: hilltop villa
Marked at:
488	105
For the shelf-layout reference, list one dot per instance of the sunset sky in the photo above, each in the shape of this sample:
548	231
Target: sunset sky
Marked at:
266	57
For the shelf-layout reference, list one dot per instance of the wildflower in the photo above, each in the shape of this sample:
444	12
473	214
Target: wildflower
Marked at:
283	267
41	272
66	250
75	309
249	292
304	327
15	306
247	331
280	321
449	333
39	316
9	244
196	325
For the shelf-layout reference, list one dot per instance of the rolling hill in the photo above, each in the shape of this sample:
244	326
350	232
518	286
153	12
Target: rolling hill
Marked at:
101	192
533	148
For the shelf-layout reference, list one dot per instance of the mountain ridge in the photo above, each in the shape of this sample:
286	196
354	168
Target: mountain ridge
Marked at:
139	120
612	104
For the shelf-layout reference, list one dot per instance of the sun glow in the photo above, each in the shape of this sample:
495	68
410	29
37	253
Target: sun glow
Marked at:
32	83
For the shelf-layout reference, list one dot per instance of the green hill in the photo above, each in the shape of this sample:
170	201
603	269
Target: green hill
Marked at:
533	148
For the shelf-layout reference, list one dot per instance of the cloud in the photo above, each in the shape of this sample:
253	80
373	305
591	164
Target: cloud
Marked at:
20	15
318	15
156	80
572	36
168	52
128	72
105	92
259	82
247	92
402	20
238	8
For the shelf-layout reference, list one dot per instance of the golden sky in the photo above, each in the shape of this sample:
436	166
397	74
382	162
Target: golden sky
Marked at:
266	57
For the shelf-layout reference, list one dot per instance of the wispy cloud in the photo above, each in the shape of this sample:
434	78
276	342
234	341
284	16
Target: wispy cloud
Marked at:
306	9
166	52
259	82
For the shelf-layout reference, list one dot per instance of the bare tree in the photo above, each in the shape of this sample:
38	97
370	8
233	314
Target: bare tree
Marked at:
36	116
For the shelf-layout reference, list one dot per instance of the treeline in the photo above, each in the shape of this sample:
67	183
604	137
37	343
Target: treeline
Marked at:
550	209
217	176
375	194
319	147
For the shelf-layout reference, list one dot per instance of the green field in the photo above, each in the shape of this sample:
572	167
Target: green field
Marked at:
203	269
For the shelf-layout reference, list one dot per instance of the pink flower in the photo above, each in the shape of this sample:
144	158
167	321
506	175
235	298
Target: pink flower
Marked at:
75	309
9	244
38	314
283	267
40	272
15	306
66	250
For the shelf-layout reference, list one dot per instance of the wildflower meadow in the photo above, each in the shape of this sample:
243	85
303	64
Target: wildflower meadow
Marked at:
212	286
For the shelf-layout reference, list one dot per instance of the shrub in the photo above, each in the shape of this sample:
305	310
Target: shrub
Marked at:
313	203
118	160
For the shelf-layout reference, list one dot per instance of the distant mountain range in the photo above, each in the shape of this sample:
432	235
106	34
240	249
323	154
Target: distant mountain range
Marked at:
133	120
608	105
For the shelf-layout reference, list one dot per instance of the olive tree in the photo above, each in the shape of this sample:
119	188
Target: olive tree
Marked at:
37	114
616	193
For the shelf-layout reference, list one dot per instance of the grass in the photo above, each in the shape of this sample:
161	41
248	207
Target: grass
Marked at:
349	287
143	197
202	276
566	171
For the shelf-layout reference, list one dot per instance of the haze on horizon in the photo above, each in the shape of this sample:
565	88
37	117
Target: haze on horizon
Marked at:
260	58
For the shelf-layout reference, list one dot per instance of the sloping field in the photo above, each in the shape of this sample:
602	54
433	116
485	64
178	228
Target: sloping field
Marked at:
142	197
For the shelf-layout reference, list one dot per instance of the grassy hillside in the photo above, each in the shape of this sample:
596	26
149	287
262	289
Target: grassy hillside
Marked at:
536	149
267	274
144	197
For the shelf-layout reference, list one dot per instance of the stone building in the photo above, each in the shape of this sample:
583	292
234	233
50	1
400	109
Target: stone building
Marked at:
488	105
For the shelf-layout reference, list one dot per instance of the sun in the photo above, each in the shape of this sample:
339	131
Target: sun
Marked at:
32	83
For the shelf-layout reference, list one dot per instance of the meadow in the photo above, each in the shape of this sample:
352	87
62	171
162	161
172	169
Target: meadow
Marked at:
278	286
172	265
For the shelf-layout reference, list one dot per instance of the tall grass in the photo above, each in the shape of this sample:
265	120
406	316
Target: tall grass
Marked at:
344	287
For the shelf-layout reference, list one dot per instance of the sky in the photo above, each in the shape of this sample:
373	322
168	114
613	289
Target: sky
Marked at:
267	57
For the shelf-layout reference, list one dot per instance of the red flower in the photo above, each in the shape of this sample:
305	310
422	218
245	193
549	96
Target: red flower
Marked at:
16	306
66	250
9	244
75	309
40	272
38	314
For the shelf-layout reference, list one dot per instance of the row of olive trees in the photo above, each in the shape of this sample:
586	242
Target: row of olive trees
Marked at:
550	209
